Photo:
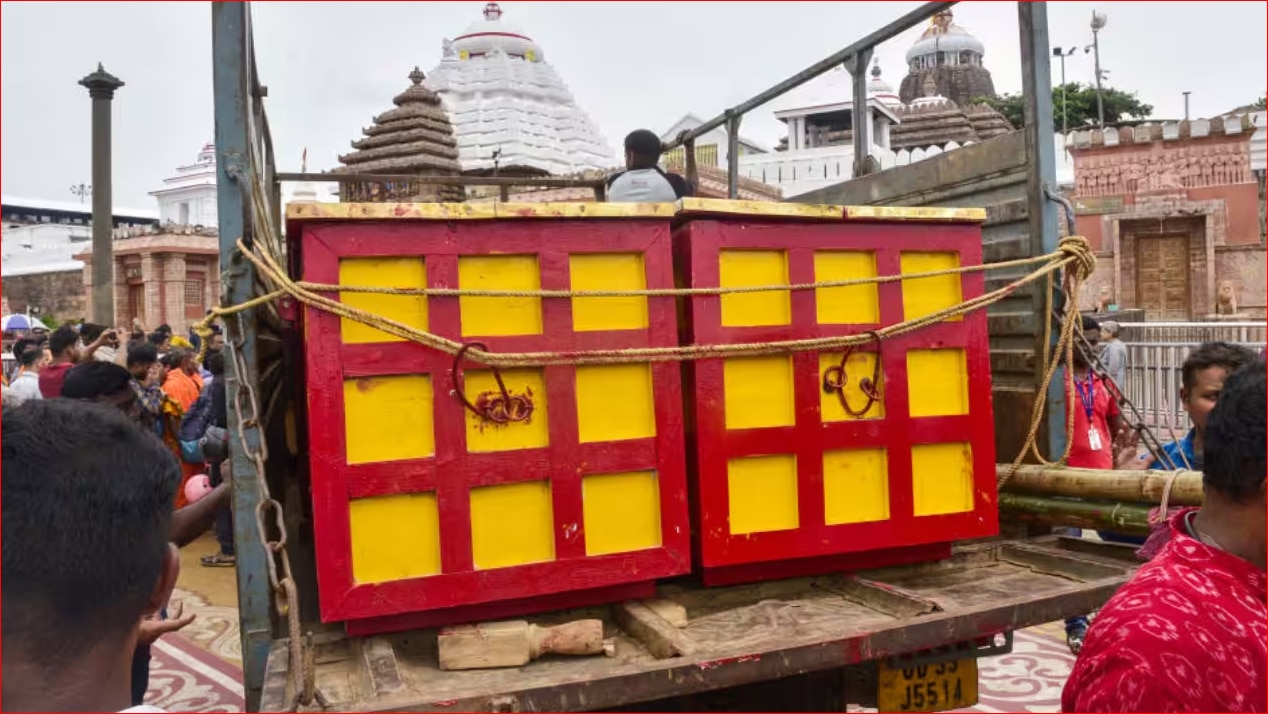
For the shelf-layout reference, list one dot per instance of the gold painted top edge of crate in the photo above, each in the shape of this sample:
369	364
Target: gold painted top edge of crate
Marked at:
472	211
820	212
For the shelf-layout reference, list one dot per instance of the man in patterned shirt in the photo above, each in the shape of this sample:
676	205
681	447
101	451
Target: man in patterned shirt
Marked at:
147	376
1188	633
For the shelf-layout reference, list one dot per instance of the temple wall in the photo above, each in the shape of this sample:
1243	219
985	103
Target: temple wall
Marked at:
60	295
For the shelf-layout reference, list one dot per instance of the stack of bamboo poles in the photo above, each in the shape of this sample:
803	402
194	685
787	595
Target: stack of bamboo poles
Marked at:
1115	501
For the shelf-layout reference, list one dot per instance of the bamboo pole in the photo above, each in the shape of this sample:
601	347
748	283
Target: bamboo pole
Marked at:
1121	518
1128	487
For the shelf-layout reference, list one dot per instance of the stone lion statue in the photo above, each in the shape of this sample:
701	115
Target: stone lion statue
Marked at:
1226	299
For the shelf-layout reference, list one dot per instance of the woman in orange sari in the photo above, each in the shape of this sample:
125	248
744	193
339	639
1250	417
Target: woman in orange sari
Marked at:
182	387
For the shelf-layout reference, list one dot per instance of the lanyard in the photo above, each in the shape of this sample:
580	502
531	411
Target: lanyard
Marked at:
1088	396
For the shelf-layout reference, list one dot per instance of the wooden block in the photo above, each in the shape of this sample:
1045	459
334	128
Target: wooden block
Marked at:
672	612
661	638
516	643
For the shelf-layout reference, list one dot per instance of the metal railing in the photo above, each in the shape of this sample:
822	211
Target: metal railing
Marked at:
1154	379
855	57
1194	332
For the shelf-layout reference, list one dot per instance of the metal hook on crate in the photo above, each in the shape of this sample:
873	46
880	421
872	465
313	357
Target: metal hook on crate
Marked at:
501	408
836	378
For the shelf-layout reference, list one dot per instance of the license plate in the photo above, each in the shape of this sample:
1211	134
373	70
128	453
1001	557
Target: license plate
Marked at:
927	688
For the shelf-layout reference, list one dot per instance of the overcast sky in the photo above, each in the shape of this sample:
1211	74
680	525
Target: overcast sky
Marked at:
331	66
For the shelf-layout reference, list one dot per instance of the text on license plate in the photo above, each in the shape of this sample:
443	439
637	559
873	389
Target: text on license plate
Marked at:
927	688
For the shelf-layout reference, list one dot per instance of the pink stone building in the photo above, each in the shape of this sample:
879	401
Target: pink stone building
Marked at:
1173	213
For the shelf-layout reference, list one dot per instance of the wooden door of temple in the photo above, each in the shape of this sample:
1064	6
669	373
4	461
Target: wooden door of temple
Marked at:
1162	276
136	302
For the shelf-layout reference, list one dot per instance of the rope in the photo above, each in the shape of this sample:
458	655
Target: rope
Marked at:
666	292
1082	264
1073	256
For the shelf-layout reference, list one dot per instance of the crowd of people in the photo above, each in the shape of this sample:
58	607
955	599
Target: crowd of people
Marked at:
101	445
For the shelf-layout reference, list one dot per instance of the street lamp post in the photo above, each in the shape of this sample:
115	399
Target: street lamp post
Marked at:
82	190
1098	23
1062	53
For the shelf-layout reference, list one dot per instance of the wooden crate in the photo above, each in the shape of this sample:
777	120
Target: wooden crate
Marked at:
423	512
785	480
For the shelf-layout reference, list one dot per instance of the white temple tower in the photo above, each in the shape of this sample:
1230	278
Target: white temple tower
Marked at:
509	108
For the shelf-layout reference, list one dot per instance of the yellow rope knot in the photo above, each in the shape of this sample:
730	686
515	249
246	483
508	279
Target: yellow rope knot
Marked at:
1084	262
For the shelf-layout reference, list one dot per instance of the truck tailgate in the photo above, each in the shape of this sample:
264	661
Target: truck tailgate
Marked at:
734	635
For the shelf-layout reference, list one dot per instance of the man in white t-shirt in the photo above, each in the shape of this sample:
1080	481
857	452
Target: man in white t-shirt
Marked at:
87	512
643	181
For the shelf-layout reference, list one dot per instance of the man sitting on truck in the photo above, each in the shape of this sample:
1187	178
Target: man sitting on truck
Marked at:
643	180
1188	633
87	511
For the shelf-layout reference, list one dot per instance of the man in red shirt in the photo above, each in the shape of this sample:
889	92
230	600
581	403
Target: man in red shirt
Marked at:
64	345
1188	633
1098	423
1097	420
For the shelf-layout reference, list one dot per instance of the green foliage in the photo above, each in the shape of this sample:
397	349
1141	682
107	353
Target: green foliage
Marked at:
1259	104
1078	105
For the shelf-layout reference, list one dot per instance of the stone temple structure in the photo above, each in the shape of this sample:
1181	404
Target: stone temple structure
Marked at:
511	111
952	57
414	138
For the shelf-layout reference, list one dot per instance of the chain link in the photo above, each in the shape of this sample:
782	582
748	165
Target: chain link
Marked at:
301	671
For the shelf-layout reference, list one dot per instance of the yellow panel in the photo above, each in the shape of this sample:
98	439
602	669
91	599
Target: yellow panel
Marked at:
758	392
483	436
743	268
388	418
614	402
937	382
855	486
923	296
860	365
383	272
608	271
942	478
762	494
512	524
496	316
850	304
622	512
394	537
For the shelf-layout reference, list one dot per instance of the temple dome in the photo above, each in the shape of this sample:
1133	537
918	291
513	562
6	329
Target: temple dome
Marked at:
943	35
494	34
882	90
415	138
511	111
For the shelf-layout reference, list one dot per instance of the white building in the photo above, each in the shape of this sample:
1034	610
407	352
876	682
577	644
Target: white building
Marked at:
509	107
189	197
711	148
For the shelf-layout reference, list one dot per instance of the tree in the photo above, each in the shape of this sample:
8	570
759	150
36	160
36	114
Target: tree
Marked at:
1260	103
1080	104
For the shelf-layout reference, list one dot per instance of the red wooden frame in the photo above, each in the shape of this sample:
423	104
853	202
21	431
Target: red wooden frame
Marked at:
734	558
451	472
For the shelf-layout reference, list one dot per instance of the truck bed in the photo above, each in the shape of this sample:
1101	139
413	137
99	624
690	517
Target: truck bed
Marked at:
735	635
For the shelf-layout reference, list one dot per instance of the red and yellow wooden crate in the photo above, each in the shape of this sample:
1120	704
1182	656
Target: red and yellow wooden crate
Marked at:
789	477
424	511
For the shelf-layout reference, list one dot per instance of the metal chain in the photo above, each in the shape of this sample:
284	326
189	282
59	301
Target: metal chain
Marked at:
301	675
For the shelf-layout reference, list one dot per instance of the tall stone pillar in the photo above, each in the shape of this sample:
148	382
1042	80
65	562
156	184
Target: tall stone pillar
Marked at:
101	87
